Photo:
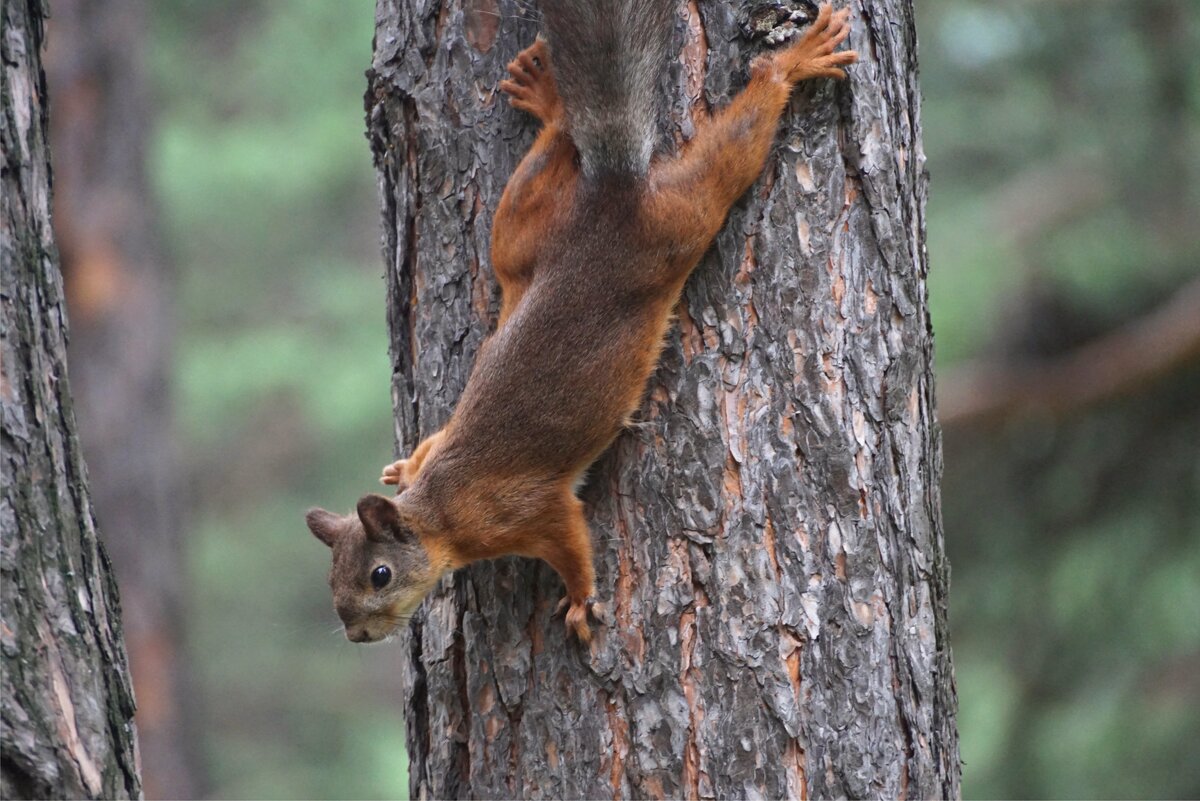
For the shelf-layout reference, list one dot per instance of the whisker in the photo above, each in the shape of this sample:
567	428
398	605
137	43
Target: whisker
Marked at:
521	10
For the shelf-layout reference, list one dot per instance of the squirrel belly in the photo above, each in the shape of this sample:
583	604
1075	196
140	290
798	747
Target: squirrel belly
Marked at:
592	242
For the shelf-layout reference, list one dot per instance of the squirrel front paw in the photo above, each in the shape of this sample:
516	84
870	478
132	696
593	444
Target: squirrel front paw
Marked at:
577	615
532	85
397	475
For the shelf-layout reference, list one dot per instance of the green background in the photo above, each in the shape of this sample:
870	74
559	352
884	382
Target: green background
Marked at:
1073	540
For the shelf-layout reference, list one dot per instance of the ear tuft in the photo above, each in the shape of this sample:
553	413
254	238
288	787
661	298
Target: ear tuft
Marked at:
323	525
380	519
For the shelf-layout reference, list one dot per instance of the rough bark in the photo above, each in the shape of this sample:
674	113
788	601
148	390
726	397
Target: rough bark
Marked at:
768	534
119	293
67	705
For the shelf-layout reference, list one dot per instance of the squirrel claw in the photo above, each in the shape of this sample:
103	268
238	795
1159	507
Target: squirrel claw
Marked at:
393	474
531	85
814	55
577	615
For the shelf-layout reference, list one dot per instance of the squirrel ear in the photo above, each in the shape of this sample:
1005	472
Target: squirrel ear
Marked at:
323	525
380	518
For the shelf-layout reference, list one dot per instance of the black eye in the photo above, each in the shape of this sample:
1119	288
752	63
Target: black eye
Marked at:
380	576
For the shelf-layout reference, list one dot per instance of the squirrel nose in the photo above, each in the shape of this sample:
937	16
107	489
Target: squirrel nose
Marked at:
358	634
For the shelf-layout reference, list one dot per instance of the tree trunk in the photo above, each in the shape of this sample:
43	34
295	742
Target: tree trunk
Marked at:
119	296
67	704
768	534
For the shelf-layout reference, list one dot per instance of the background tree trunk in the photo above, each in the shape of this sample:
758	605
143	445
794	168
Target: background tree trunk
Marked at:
67	704
119	293
769	534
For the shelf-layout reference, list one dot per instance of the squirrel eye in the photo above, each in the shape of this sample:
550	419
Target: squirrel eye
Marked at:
380	576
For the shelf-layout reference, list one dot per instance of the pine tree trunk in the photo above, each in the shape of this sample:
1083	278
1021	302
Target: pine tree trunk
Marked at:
768	535
67	704
120	301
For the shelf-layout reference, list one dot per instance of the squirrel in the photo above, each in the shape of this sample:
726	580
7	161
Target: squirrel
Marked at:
593	239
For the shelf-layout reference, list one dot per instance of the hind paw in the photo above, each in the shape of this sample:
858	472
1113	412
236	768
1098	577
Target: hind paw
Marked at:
578	613
813	56
532	85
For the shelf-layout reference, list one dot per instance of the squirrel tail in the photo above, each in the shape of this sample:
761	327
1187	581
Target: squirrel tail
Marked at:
608	58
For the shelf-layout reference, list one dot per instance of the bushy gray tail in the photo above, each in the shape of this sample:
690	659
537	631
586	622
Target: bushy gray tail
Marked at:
608	58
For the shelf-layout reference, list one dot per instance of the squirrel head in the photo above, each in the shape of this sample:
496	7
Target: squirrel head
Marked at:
381	568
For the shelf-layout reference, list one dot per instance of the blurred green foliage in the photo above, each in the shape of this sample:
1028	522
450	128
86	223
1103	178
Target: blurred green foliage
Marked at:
1063	142
270	211
1064	149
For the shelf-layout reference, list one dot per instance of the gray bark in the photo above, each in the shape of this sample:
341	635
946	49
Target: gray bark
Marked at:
67	705
119	293
768	534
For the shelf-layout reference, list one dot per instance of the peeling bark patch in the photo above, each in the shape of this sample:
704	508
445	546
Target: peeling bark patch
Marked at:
692	757
769	544
620	747
747	265
623	591
693	56
68	730
797	784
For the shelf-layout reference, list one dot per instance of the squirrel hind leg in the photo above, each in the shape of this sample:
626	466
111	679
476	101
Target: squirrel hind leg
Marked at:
578	613
563	540
813	55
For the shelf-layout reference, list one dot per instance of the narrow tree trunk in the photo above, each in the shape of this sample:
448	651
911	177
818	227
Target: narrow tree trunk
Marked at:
67	704
119	295
769	533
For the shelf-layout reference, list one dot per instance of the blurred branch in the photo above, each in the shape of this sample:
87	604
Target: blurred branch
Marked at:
1120	363
1048	195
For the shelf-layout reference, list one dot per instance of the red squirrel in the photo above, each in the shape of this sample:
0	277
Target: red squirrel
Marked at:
592	241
